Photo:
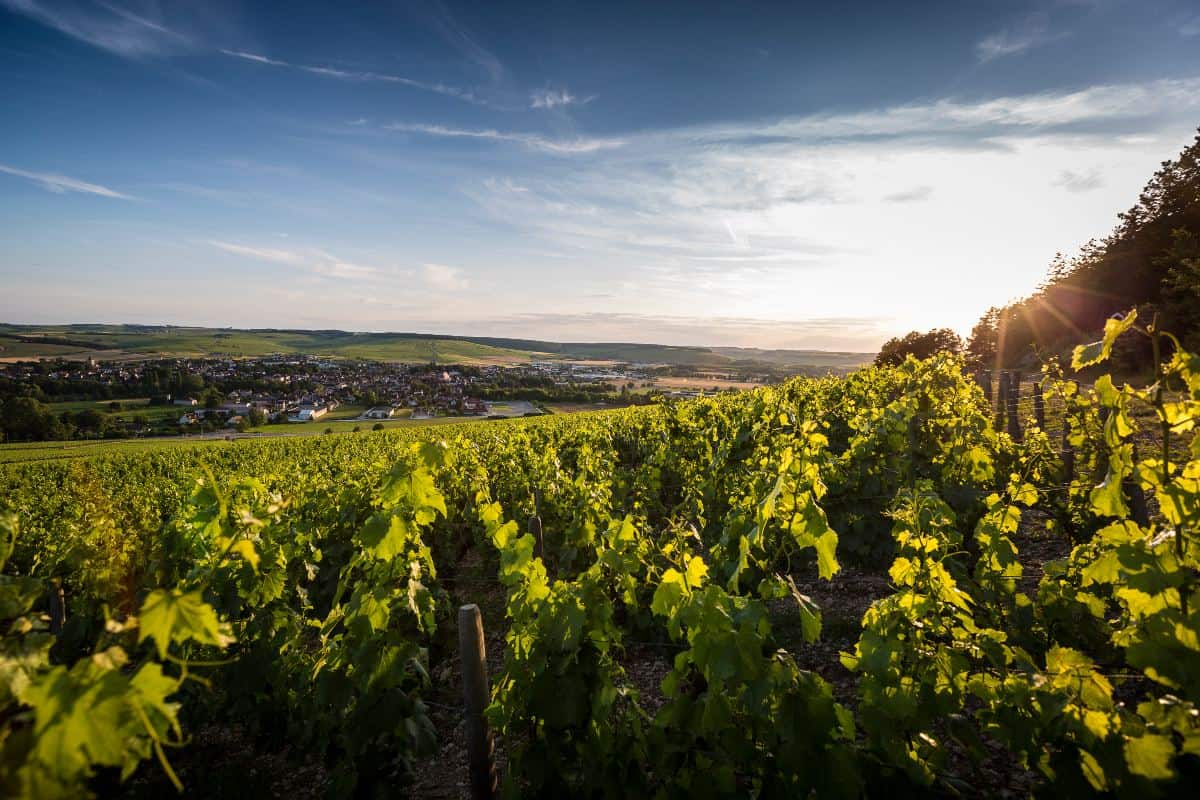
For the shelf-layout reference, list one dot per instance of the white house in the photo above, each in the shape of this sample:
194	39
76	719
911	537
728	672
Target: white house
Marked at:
308	413
379	412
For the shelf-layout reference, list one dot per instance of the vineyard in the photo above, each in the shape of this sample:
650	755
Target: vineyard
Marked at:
657	576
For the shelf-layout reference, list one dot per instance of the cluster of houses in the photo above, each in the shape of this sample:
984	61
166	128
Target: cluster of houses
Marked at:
427	393
570	373
238	408
299	388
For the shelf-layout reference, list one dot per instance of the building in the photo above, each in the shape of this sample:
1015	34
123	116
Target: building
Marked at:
308	413
379	412
185	401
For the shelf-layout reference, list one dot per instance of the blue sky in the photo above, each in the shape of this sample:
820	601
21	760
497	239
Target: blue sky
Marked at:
772	174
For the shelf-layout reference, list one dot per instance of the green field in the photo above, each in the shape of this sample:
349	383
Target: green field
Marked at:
129	408
12	348
149	341
133	341
86	448
20	452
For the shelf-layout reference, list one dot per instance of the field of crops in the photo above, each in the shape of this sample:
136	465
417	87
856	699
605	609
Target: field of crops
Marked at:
657	575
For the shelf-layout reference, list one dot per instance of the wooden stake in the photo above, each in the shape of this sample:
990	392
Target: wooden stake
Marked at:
472	652
986	383
535	525
1068	452
539	546
1001	400
58	607
1039	406
1137	497
1014	398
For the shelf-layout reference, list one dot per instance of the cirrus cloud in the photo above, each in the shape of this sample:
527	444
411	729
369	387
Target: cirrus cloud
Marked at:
61	184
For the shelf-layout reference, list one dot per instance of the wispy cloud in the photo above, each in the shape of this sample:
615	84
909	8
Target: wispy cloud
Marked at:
556	98
859	333
1190	27
977	123
444	278
1082	181
765	219
256	57
314	260
1032	32
458	37
361	76
914	195
102	25
533	141
60	184
271	254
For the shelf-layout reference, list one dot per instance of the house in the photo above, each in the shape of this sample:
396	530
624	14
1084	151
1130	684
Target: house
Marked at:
308	413
189	419
379	412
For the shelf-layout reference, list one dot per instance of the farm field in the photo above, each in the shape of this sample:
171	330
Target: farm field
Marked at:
128	407
133	341
14	350
88	448
701	383
179	341
575	408
16	452
801	584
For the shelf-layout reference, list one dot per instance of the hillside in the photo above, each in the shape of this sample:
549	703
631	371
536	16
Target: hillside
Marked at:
132	341
108	341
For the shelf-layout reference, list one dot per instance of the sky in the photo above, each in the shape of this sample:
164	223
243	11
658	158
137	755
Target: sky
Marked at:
800	175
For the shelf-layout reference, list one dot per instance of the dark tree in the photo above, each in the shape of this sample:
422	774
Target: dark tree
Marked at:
26	419
919	345
983	343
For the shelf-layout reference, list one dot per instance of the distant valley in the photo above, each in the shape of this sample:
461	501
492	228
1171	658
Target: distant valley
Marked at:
78	341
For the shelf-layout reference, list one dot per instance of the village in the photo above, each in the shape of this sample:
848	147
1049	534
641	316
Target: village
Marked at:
173	396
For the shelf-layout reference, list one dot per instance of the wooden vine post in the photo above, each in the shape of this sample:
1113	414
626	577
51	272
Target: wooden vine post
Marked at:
472	652
1014	399
1137	497
1068	453
58	607
535	526
1039	406
1104	412
1001	400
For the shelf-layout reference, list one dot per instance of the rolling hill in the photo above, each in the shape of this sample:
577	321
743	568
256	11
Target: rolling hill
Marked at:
145	341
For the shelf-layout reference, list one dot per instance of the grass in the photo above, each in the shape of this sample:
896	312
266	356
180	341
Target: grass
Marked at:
87	448
147	340
48	451
346	426
129	408
12	349
240	343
